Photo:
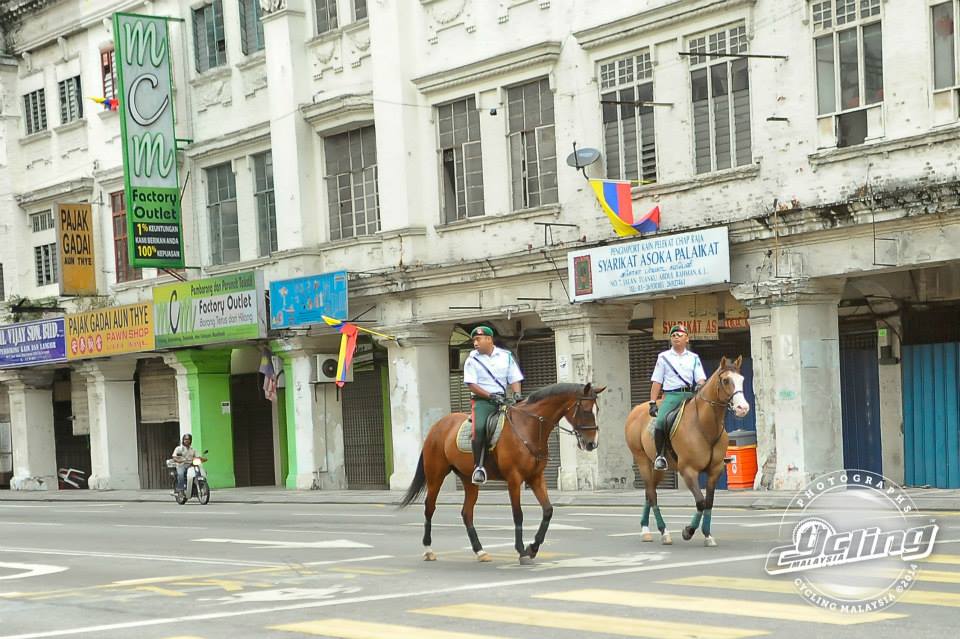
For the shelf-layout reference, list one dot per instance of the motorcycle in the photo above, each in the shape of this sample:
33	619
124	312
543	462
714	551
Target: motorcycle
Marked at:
197	485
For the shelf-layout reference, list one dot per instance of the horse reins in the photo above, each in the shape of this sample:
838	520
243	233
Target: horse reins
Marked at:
541	420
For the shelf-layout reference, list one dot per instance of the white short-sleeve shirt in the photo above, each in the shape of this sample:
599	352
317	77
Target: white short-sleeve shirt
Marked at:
687	364
500	363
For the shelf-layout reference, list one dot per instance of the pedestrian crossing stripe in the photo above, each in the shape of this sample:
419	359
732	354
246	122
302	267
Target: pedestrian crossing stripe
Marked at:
349	629
940	558
605	624
725	606
912	596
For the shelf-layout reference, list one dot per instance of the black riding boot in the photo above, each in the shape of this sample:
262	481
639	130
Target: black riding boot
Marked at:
658	438
479	474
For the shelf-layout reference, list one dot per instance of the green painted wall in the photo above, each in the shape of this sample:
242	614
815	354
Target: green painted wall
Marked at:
288	426
387	425
208	379
282	431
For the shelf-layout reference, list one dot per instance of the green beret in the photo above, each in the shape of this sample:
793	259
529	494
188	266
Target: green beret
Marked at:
481	330
677	329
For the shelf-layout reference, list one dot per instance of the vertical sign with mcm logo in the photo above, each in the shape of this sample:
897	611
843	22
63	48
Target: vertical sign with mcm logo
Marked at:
152	190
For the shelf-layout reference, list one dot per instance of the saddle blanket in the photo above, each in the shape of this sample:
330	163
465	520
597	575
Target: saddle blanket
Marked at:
463	434
676	421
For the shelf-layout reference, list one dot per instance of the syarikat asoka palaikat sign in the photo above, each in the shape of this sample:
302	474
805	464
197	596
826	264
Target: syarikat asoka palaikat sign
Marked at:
151	187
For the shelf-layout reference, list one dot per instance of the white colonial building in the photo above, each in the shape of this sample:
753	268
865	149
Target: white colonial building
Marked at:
420	145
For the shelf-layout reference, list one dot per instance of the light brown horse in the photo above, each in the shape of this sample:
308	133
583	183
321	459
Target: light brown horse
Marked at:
698	445
520	456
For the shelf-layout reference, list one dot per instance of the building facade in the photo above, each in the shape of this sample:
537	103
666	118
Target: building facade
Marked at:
420	145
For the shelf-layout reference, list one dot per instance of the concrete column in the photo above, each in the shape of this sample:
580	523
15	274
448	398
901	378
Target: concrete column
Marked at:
795	345
419	393
112	410
891	400
592	345
31	422
203	395
285	32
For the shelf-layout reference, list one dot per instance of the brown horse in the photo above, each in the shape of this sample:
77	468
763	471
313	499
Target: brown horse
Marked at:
520	456
698	445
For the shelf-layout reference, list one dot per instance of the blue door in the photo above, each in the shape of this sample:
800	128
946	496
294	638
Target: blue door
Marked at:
860	402
931	418
732	422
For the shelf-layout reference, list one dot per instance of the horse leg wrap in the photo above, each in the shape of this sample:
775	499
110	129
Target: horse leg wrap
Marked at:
661	526
427	527
707	516
695	521
518	536
474	540
645	518
542	530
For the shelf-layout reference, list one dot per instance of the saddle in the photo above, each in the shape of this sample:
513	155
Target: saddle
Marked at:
494	430
672	420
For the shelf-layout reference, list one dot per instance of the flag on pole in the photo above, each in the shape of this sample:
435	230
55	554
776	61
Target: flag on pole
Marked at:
110	104
616	200
269	372
348	344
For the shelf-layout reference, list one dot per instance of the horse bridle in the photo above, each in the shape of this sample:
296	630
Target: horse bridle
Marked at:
725	404
576	430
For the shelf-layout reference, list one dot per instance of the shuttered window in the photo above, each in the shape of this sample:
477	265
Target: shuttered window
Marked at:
222	214
533	149
720	92
45	264
35	111
209	38
266	204
326	15
251	28
121	255
108	72
461	163
71	108
628	129
351	176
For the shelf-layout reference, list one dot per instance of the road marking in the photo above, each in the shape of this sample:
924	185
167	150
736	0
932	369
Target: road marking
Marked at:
113	555
346	561
206	513
30	523
475	585
343	515
349	629
738	607
531	526
623	626
262	543
323	532
912	596
942	559
25	506
30	570
165	527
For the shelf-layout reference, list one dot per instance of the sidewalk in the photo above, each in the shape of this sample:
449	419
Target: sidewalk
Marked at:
931	499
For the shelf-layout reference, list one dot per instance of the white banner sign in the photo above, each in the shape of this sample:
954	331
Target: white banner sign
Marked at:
655	265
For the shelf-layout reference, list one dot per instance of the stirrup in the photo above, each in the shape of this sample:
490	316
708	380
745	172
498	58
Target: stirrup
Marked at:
660	463
479	476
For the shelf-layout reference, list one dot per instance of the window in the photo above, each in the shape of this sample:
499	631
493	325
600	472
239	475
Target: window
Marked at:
720	91
533	152
351	178
70	106
41	221
627	127
108	71
326	15
222	211
461	165
209	40
944	45
45	262
35	111
125	272
849	54
251	28
359	9
266	204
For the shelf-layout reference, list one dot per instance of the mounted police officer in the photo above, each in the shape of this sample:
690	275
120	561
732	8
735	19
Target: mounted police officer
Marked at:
679	374
488	372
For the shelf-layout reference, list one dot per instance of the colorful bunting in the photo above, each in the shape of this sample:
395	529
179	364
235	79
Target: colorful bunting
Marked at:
109	104
616	200
348	344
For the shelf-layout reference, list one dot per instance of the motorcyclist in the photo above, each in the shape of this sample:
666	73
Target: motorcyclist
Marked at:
183	456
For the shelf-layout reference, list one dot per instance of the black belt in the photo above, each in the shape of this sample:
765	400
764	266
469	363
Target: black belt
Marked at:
679	390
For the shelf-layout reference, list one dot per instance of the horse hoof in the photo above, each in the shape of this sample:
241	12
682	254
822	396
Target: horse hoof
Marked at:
646	536
526	561
688	533
531	552
666	539
429	556
484	556
709	542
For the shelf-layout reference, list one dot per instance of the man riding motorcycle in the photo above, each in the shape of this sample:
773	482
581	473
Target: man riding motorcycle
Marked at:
183	456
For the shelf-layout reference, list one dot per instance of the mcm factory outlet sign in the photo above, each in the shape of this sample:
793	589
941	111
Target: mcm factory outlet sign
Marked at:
216	309
655	265
151	187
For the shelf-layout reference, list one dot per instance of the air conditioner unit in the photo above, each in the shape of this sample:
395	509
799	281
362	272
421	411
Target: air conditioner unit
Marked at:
324	369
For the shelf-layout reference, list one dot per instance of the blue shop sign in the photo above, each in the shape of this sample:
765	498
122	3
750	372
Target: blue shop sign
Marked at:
29	343
304	300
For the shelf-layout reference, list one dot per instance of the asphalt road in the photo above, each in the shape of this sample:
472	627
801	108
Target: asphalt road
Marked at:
155	570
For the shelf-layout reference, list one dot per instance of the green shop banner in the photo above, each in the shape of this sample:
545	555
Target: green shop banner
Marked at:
218	309
151	187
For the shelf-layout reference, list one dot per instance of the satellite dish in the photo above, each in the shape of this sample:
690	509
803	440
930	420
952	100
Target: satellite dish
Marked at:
584	157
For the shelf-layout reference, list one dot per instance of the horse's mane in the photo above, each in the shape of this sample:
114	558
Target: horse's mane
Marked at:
553	390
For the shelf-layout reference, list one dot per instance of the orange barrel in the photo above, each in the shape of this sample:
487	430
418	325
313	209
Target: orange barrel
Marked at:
743	466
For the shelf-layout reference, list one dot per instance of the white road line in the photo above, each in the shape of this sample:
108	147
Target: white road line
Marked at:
24	506
271	544
346	561
114	555
333	515
32	523
352	600
323	532
30	570
164	527
195	512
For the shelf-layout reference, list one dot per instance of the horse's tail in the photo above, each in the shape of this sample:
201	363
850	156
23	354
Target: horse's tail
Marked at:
416	486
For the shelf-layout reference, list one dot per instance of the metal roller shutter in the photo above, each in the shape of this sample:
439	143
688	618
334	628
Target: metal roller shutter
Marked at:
363	426
538	361
158	392
643	358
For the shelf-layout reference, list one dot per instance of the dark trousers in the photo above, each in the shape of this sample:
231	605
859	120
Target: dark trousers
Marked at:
482	409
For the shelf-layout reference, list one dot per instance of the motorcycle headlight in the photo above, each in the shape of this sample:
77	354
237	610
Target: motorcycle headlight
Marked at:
196	461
